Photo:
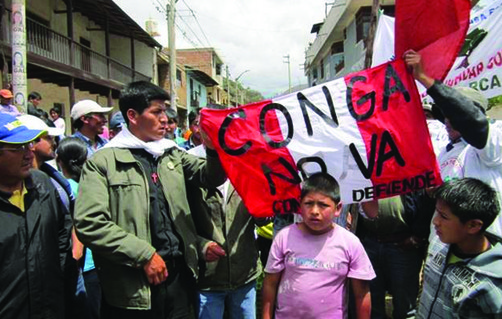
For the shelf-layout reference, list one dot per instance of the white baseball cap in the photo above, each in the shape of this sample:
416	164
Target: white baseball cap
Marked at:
85	107
35	123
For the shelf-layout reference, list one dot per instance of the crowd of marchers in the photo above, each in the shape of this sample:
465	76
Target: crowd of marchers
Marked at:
141	222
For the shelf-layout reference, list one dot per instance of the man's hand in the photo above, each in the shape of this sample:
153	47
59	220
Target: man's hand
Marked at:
370	209
156	270
413	61
205	139
214	252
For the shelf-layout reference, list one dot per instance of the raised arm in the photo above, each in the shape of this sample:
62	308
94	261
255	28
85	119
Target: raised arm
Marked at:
464	115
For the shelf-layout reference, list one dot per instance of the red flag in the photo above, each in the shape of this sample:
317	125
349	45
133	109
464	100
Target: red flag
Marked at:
263	173
435	29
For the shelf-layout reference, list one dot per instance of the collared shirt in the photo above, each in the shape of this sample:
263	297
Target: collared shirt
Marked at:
9	109
188	144
17	198
91	147
164	238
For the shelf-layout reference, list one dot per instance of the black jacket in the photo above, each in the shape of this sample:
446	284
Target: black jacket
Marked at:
34	249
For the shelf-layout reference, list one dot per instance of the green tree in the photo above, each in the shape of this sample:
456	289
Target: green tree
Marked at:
495	101
246	95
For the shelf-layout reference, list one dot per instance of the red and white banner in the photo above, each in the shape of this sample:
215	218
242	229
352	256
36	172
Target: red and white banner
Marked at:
367	130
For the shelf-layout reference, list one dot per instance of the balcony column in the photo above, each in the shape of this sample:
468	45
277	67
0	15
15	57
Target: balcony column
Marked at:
110	100
107	48
69	24
71	89
133	60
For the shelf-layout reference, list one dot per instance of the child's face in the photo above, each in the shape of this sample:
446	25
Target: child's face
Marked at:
448	226
318	211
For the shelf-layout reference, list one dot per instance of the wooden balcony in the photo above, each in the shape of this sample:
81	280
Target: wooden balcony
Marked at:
47	49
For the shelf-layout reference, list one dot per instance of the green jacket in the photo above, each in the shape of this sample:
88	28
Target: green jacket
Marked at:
112	216
232	227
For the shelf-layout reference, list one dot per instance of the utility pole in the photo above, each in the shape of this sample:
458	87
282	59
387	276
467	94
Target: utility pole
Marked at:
19	64
289	70
237	87
171	9
228	88
236	93
371	33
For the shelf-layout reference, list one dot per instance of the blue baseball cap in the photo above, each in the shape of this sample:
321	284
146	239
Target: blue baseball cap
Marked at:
12	131
117	120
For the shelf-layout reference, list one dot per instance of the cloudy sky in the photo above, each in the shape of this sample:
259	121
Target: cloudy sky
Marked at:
248	35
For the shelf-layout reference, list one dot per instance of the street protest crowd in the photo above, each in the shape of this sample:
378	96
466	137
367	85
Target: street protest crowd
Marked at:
145	224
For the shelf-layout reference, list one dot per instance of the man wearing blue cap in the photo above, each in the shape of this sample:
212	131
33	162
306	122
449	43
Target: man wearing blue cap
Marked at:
116	123
34	231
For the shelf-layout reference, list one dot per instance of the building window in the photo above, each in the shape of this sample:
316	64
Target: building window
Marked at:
218	69
178	77
337	56
337	47
363	19
314	73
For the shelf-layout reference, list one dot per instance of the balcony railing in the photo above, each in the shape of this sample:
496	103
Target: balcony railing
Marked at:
52	45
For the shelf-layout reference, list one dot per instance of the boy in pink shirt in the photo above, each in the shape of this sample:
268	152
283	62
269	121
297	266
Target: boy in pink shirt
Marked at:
309	262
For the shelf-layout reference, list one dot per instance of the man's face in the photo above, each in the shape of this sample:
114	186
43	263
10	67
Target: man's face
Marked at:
452	133
36	102
95	122
150	125
194	127
171	128
5	101
318	211
44	148
114	131
448	226
15	161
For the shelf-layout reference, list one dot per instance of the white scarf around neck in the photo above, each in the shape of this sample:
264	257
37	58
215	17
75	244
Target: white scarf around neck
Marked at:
125	139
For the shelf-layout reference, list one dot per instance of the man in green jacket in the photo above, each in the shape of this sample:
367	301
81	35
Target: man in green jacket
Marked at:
229	264
133	213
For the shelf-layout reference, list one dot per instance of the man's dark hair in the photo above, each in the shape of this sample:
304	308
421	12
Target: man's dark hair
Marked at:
172	115
138	95
34	96
470	198
77	124
321	183
192	116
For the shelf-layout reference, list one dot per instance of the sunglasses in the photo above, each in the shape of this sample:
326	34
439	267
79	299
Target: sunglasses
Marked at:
19	148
